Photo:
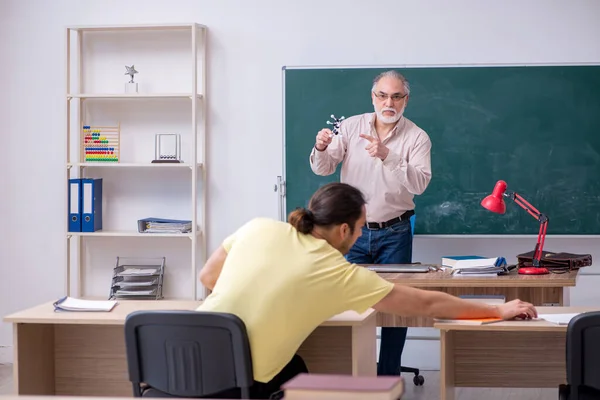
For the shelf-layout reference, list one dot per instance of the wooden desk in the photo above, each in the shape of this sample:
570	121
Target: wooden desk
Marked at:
516	354
83	353
540	290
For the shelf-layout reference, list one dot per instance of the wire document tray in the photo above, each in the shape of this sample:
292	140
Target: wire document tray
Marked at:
138	278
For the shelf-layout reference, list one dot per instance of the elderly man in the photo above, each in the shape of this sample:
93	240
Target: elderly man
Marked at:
388	157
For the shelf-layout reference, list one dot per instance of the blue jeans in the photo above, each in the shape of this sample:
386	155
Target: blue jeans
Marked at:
391	245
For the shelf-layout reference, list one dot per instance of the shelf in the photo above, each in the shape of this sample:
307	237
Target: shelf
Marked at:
109	233
133	165
93	98
132	96
108	28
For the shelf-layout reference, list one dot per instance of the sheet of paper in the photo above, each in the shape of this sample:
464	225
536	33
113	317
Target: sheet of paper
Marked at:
560	319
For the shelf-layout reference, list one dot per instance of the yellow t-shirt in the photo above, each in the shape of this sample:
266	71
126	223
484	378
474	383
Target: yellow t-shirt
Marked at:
283	284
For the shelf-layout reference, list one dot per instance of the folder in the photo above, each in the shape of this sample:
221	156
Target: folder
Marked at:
91	204
74	205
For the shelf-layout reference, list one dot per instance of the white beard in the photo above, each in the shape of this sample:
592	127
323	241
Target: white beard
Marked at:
389	120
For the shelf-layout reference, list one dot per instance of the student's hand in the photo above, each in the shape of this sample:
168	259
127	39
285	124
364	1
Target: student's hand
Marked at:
517	308
324	138
375	147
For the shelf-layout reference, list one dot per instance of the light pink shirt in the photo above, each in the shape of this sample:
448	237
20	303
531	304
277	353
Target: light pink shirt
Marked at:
389	186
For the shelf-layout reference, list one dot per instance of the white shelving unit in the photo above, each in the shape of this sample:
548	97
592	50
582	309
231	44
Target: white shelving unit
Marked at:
95	59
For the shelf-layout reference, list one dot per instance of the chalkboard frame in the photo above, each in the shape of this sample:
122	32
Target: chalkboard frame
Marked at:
282	180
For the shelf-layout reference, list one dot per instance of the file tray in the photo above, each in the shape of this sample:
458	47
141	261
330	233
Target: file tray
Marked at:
138	278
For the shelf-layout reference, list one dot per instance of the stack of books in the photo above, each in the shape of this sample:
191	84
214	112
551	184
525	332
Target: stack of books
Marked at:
475	265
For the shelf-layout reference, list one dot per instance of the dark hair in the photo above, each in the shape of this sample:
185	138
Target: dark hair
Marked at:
332	204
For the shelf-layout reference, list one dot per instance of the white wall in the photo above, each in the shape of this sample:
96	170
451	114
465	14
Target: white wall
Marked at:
248	46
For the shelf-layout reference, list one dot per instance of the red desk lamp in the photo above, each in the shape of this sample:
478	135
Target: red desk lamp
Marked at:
495	203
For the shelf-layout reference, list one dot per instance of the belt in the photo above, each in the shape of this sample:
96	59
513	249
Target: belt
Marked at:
382	225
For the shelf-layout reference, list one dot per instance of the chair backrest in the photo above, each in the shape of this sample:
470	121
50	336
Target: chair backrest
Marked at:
583	350
187	353
412	224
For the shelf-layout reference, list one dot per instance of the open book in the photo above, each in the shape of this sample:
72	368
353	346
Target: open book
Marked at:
73	304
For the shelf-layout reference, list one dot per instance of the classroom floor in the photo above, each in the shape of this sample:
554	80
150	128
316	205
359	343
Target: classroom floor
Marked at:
430	390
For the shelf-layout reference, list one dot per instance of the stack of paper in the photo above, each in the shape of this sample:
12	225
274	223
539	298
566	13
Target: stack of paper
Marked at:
73	304
160	225
481	266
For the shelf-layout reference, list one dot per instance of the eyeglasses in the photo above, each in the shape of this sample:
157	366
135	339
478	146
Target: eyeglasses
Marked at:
384	96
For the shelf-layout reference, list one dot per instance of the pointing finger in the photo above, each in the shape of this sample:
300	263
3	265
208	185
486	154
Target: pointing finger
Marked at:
368	137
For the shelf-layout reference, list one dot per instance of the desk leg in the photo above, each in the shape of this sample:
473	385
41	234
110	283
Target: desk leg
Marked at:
566	297
447	365
33	369
364	349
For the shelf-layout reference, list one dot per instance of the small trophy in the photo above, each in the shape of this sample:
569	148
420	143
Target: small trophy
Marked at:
167	148
131	86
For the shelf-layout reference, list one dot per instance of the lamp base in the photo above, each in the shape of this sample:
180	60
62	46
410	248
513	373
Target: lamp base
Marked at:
533	271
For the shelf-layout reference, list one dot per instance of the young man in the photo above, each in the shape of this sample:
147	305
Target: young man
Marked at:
387	157
285	279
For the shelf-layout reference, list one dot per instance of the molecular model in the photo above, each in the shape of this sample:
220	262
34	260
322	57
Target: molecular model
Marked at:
336	123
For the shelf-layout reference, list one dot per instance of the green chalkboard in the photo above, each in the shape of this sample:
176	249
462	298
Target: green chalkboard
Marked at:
536	127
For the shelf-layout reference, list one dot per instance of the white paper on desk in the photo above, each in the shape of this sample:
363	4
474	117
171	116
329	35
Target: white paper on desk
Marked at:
559	319
72	304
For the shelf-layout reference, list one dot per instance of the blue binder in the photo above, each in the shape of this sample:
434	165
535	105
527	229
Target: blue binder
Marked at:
74	205
91	204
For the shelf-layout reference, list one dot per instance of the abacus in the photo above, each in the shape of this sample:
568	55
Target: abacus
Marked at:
101	143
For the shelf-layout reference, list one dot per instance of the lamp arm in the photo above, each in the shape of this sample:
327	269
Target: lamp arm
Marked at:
542	218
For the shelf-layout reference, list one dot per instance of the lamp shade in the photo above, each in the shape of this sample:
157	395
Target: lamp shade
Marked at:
495	202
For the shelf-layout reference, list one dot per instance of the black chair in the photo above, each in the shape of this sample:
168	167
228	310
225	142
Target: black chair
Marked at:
187	354
418	378
582	358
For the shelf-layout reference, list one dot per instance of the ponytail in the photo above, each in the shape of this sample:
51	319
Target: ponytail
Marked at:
302	219
332	204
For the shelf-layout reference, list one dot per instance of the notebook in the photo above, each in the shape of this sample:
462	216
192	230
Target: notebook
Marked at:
73	304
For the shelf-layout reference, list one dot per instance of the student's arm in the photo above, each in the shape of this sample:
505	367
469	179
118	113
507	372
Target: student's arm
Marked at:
212	269
412	302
